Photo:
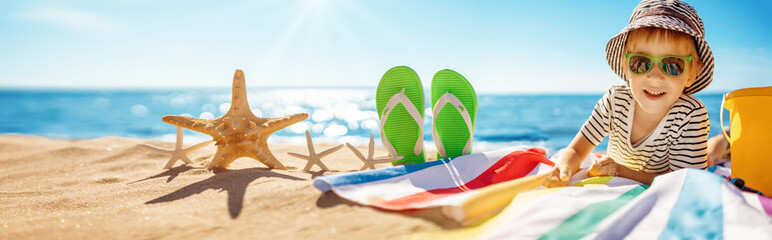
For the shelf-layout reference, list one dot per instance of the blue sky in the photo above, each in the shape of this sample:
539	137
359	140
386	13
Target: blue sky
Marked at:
500	46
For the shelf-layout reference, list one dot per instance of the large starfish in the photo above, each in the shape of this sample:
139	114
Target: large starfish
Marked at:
370	161
178	153
313	157
239	133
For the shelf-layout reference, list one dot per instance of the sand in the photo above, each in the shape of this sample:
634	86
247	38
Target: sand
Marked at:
109	188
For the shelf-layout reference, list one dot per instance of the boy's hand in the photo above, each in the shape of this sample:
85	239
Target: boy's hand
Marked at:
560	176
604	167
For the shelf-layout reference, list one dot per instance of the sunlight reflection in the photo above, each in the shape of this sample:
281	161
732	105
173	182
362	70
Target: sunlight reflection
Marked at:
177	102
353	126
206	115
139	110
224	107
102	103
321	115
318	128
335	130
300	127
208	108
334	114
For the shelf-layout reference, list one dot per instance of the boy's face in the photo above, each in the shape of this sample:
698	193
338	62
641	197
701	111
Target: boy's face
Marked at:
655	92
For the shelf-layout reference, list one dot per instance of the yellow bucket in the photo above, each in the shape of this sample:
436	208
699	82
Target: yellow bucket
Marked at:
750	112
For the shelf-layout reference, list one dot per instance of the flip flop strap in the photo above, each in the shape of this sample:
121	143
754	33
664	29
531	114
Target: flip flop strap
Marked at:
405	101
456	103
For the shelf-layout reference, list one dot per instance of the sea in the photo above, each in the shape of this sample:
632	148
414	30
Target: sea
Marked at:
336	115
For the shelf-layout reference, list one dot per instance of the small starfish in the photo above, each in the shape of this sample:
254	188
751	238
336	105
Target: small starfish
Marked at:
370	161
178	153
313	157
239	133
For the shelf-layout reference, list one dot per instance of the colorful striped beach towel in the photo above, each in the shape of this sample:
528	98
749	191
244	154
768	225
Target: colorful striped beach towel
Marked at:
688	203
445	182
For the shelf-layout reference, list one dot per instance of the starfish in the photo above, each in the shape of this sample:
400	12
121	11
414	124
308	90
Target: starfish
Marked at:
239	133
370	161
178	153
313	157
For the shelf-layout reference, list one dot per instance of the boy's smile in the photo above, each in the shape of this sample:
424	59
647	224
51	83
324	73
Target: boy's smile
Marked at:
653	95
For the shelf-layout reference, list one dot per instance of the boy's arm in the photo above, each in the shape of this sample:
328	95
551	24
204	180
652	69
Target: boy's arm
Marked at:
576	152
569	161
606	166
718	147
591	134
641	177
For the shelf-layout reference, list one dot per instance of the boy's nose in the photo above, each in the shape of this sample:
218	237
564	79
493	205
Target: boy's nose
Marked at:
657	74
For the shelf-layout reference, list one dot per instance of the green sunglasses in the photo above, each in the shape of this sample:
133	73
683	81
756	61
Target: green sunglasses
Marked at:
640	64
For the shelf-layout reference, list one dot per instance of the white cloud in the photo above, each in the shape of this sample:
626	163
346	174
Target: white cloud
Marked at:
73	19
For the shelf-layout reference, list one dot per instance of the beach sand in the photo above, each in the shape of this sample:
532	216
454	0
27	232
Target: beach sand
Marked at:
108	188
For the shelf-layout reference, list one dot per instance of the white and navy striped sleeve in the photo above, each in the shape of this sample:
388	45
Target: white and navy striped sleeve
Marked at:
597	126
690	150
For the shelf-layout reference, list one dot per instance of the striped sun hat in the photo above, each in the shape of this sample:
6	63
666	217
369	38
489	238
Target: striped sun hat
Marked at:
667	14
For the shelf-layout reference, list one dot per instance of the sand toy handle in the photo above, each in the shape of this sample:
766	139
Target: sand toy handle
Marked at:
721	115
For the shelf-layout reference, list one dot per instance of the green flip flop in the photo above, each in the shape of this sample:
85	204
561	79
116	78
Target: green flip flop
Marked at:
399	100
454	108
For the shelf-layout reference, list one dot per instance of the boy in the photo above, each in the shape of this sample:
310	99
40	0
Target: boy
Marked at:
719	152
654	124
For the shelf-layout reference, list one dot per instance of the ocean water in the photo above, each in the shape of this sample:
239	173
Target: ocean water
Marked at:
336	115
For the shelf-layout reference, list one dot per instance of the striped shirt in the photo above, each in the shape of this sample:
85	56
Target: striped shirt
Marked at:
679	140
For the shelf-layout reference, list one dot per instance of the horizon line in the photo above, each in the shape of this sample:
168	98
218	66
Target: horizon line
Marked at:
226	88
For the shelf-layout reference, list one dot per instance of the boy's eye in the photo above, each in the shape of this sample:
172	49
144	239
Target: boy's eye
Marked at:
673	66
640	64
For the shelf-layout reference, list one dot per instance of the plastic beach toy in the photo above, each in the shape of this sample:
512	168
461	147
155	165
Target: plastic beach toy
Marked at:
751	141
